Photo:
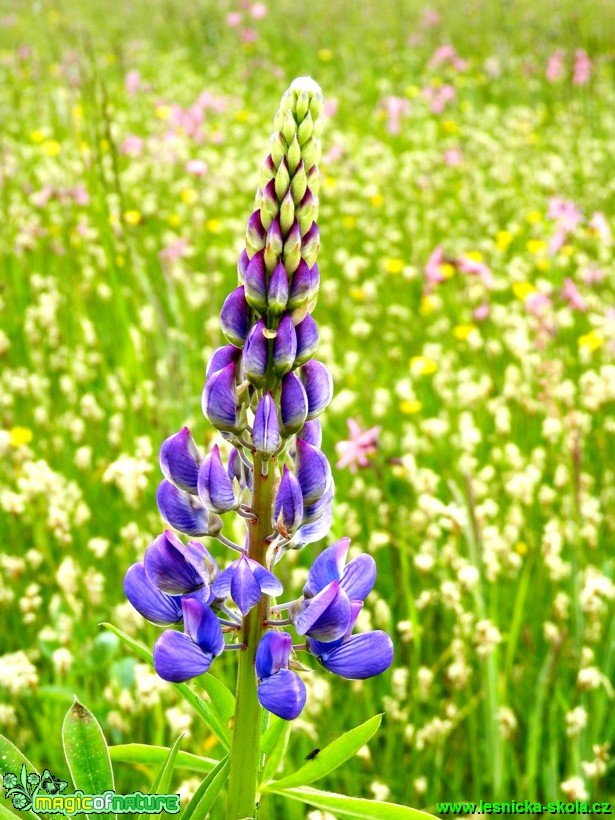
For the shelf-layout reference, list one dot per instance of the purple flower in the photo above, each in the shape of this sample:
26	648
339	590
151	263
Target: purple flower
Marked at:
307	339
184	512
176	569
355	657
180	460
245	581
178	657
318	386
256	282
220	402
215	487
221	357
280	690
326	616
293	404
284	346
255	354
266	429
277	292
312	471
357	578
288	511
235	317
155	606
300	286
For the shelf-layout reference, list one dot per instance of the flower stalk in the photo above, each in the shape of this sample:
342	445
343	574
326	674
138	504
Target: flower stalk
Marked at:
245	753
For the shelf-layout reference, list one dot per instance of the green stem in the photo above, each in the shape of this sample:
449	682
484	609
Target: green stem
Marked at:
245	753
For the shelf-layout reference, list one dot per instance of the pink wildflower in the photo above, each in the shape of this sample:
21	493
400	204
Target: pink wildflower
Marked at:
233	19
258	11
453	157
601	227
555	66
571	295
474	268
582	71
196	167
433	272
355	451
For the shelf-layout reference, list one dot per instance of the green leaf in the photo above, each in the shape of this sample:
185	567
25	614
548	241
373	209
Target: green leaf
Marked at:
272	733
331	756
208	713
162	781
12	760
357	808
86	752
274	758
139	753
205	796
220	695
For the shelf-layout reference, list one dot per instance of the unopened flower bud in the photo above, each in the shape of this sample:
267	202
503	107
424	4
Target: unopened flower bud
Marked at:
277	293
287	213
299	183
256	282
282	179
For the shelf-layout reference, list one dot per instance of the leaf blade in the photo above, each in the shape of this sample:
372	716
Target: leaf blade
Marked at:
332	756
205	796
353	808
139	753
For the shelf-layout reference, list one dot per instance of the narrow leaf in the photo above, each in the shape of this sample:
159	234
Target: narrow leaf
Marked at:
12	760
162	781
205	796
274	758
139	753
331	756
272	733
357	808
207	713
86	752
221	696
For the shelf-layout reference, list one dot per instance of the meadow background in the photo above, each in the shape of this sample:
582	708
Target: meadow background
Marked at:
467	309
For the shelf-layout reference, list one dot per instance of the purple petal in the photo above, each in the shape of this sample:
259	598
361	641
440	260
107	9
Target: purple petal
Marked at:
283	694
318	386
235	317
266	428
266	580
177	658
309	533
256	282
325	617
255	233
182	511
293	404
307	339
202	560
359	577
221	587
314	281
311	432
312	471
215	487
180	460
219	401
272	654
300	286
154	605
221	357
361	656
242	266
255	354
284	346
288	511
311	245
277	293
275	242
238	470
168	568
245	590
328	566
202	626
314	511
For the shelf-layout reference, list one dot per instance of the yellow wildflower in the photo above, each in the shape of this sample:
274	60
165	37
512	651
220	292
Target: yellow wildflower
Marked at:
393	265
423	366
213	225
18	436
592	341
534	217
51	148
132	217
377	200
189	196
410	406
523	289
503	240
462	332
325	54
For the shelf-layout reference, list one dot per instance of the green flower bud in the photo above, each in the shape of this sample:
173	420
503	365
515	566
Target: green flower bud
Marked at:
287	213
294	155
303	105
317	104
267	171
313	177
306	129
282	180
299	184
278	148
310	152
289	129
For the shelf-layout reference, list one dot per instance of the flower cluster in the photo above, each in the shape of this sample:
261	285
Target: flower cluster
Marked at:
263	392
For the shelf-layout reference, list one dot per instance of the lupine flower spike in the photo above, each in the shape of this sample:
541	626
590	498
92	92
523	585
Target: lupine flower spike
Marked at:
264	392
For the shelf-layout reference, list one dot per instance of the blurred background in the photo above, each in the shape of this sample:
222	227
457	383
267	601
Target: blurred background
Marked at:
467	311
